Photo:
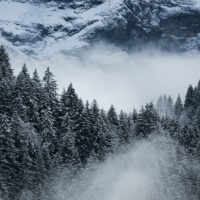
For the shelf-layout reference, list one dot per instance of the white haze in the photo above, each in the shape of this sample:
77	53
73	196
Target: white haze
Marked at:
112	76
151	170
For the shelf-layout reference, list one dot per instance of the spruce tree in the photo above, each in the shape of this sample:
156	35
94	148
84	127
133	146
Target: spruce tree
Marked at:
189	137
82	140
124	128
196	97
6	155
38	98
23	162
68	151
147	121
50	92
100	142
170	107
69	104
112	116
7	81
134	115
6	71
178	107
23	91
189	97
48	133
160	106
93	126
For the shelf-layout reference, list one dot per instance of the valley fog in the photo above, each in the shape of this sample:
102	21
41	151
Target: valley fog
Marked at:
112	76
149	170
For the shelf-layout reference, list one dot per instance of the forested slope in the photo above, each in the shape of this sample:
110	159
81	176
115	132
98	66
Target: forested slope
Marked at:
42	132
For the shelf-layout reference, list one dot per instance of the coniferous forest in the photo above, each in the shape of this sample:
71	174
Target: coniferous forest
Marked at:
43	132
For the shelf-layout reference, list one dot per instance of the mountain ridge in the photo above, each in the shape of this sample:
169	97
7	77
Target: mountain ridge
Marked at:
48	27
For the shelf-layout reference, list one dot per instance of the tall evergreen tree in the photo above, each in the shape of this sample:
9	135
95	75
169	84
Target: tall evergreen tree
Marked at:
112	116
196	97
147	121
124	128
6	157
170	107
178	107
83	137
189	137
68	151
6	71
160	106
48	138
93	126
189	97
69	102
134	115
6	83
23	90
50	91
100	137
38	101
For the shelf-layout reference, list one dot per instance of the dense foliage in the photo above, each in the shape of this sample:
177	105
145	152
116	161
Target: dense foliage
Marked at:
41	131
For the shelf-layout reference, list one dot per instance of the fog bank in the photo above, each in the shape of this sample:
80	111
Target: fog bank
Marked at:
112	76
151	170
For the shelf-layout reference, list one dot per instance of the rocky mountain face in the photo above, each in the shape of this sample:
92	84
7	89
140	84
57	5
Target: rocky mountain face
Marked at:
44	27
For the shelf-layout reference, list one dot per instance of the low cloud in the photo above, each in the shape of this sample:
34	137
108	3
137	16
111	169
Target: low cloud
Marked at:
113	76
149	170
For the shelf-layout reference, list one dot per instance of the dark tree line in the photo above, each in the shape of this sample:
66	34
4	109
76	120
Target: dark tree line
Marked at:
41	131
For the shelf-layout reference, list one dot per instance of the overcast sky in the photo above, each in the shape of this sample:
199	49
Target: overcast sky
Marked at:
111	76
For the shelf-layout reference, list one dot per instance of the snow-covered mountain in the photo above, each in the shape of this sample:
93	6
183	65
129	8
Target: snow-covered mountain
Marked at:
42	27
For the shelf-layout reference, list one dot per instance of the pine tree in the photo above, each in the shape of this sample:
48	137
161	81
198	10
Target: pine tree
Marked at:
32	161
6	157
160	105
189	97
82	140
178	107
77	117
23	91
69	104
113	124
189	137
5	69
50	92
112	116
110	140
38	98
100	138
134	115
196	97
69	153
18	151
20	108
64	102
171	126
93	126
65	126
124	128
147	121
165	106
48	138
22	159
170	107
6	83
102	144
